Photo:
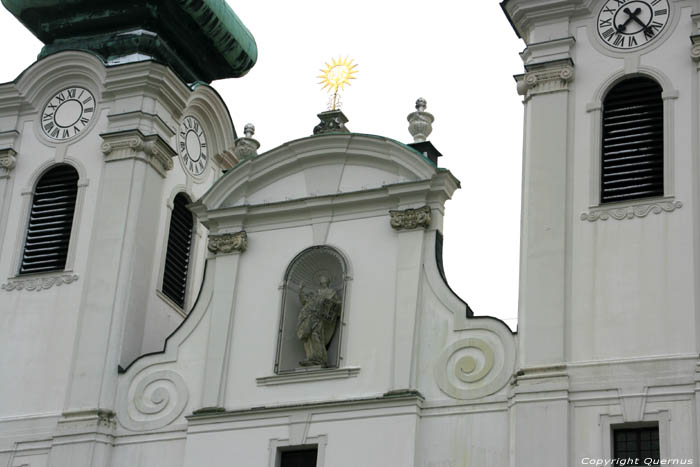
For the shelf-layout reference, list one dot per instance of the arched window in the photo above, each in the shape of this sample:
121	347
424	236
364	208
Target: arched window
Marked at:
50	221
177	256
312	309
633	141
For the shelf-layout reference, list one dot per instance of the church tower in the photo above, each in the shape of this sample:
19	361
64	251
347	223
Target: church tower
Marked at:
104	142
609	324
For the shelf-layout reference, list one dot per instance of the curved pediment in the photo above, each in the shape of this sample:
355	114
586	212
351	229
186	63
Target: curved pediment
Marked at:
319	166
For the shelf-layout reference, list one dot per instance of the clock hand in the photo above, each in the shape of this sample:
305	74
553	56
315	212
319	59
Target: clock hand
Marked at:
630	16
633	16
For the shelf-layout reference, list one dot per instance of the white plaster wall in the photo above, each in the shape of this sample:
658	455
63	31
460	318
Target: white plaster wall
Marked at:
632	281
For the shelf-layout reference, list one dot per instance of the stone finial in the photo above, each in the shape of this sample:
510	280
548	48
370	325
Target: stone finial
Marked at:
249	130
246	147
420	122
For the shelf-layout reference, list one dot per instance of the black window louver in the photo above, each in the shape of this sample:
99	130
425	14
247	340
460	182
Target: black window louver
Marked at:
50	221
633	141
177	256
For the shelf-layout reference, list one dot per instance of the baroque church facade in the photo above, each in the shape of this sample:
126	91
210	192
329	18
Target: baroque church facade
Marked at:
170	297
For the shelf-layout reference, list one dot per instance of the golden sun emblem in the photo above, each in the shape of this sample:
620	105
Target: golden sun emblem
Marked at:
336	75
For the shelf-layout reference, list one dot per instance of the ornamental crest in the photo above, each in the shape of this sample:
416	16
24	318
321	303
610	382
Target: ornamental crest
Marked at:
228	243
410	218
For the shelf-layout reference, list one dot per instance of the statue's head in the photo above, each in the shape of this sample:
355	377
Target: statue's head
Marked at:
324	281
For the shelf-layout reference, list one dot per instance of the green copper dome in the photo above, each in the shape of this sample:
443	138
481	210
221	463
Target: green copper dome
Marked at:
202	40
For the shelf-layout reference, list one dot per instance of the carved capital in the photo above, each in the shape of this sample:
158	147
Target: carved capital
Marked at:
228	243
545	79
132	144
630	212
695	48
39	283
8	159
411	218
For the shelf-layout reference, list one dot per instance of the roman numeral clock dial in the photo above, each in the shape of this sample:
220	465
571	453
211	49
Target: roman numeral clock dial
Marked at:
628	24
68	113
192	146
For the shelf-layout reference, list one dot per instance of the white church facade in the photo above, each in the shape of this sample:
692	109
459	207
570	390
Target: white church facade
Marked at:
169	297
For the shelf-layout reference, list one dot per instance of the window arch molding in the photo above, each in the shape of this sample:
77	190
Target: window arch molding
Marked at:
301	267
193	257
27	193
595	109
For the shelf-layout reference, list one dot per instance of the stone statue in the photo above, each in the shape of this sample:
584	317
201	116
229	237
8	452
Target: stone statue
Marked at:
317	321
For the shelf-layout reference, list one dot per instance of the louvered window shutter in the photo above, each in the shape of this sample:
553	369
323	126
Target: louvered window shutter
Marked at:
50	221
633	141
177	257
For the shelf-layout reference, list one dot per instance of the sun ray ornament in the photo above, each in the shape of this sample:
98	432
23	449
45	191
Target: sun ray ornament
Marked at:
335	76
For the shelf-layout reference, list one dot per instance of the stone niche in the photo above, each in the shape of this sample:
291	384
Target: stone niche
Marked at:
312	311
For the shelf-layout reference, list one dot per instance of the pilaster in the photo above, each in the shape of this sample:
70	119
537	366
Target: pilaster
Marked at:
8	161
544	207
227	249
410	225
118	273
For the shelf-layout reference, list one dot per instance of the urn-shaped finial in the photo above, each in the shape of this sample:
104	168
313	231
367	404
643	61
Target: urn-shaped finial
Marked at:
420	122
246	147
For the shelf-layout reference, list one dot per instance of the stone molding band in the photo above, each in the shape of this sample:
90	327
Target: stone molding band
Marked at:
411	218
228	243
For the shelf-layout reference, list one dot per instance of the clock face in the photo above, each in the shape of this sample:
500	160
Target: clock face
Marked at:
68	113
628	24
192	145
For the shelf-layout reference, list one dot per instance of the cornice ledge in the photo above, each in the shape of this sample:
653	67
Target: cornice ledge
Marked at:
226	159
409	219
548	52
545	78
304	376
638	210
228	243
132	144
522	13
39	283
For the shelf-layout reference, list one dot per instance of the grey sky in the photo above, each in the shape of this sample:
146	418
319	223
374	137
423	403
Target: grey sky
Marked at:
459	55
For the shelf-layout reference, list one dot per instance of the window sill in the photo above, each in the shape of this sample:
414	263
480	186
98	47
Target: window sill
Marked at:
638	208
39	281
302	376
171	303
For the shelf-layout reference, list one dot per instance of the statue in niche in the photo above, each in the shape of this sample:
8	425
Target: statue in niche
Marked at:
317	321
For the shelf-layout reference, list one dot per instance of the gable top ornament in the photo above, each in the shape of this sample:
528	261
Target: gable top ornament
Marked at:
334	78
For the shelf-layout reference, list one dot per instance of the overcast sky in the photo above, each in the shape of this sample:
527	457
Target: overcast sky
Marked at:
459	55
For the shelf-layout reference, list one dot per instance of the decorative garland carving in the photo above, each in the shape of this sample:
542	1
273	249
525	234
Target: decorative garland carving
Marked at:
411	218
630	212
228	243
154	401
468	369
133	144
39	283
